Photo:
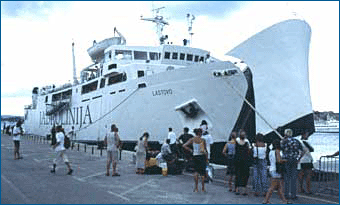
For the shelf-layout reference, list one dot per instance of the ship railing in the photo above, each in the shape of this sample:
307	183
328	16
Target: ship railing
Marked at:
94	150
327	174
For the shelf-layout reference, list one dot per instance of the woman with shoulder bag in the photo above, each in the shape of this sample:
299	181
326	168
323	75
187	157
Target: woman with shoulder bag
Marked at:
260	166
305	165
229	152
200	156
276	178
242	156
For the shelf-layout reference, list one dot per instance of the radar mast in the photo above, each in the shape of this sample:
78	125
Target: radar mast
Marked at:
190	21
160	23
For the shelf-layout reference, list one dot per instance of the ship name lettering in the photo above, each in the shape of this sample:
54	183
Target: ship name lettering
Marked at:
79	116
162	92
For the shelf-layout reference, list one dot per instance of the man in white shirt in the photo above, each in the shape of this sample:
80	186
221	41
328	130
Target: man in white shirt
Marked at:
172	137
206	136
18	131
208	141
72	134
113	142
60	150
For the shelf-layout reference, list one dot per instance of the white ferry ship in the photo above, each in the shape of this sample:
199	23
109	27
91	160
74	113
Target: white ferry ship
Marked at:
152	88
329	126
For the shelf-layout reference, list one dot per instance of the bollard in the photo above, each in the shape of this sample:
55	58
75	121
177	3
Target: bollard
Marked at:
85	147
78	147
92	150
101	152
72	145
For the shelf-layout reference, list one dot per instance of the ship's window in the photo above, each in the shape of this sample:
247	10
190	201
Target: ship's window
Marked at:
46	99
117	78
182	56
108	56
123	55
202	59
167	55
112	66
67	94
189	57
102	83
89	87
154	56
56	97
140	55
174	56
140	73
196	58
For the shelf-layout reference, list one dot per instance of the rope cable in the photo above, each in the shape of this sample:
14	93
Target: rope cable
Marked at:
114	108
252	107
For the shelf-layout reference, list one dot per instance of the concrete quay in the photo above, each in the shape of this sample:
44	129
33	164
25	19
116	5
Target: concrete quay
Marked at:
29	181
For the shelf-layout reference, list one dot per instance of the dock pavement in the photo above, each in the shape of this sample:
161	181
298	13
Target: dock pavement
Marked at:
29	181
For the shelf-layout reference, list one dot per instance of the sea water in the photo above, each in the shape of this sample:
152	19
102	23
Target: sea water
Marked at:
324	144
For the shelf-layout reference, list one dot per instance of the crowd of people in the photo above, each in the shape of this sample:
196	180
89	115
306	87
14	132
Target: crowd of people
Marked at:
289	163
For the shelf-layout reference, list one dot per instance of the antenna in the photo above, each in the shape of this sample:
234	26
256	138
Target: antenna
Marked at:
75	81
190	21
160	23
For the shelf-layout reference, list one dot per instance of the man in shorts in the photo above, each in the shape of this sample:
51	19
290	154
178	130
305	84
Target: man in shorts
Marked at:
17	133
112	141
60	150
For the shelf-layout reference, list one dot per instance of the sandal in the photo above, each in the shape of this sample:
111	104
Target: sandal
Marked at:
266	202
115	174
195	190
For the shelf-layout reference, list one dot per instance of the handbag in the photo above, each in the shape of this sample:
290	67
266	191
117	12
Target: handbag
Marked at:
253	160
280	167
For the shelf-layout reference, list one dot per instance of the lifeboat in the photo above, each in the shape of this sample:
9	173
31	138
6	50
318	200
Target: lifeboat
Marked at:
96	52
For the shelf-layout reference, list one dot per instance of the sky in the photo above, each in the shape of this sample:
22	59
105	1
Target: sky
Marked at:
37	36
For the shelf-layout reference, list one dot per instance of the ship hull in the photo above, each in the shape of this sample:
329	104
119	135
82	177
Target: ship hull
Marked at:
151	104
278	58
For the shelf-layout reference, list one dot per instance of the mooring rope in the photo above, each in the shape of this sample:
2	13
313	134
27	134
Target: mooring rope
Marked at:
94	122
252	107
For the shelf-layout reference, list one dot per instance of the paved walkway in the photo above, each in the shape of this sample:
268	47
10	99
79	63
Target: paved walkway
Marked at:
29	181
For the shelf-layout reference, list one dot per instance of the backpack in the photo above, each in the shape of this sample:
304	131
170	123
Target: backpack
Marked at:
53	134
53	140
67	142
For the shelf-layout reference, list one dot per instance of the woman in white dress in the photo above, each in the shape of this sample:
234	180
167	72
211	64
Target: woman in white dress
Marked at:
142	147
